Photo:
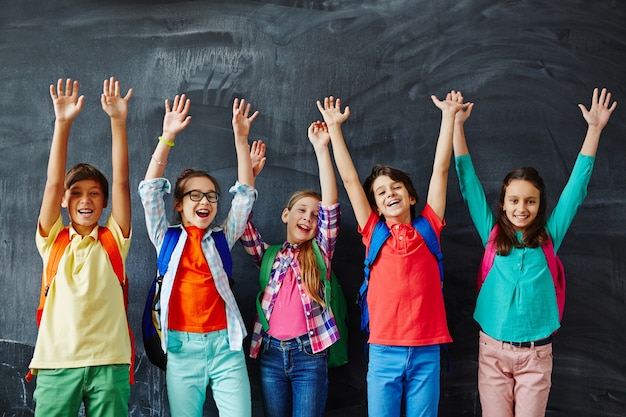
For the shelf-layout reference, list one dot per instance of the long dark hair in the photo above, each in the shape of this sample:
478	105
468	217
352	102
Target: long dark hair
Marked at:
535	234
395	174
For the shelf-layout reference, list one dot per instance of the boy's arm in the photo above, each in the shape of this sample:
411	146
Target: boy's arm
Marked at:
439	180
241	127
116	107
320	138
67	105
597	117
175	120
331	111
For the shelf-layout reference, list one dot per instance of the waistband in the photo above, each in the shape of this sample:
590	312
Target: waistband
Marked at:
287	344
534	343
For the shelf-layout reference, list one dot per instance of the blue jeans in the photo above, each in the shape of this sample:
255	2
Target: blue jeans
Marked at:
198	360
294	380
406	375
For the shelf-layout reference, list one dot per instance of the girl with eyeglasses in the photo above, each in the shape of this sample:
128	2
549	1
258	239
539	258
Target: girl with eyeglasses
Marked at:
202	327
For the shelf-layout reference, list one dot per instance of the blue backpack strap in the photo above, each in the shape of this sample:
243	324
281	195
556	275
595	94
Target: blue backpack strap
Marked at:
379	236
424	228
167	247
222	247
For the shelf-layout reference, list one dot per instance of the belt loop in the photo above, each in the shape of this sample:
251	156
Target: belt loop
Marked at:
299	340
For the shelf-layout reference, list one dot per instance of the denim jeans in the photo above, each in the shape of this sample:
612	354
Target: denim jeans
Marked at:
406	375
198	360
294	380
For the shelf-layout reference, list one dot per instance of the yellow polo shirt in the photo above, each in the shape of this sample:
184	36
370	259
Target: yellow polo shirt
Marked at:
84	321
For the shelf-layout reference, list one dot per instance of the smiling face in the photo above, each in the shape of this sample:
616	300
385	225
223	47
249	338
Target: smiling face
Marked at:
393	200
301	219
521	203
197	213
84	201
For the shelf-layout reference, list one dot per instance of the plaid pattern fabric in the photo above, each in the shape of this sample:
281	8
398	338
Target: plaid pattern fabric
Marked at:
152	194
320	322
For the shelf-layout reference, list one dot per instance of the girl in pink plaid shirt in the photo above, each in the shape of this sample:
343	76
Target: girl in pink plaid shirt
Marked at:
293	349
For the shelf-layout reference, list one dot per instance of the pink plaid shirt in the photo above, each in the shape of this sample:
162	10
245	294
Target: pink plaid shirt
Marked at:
321	326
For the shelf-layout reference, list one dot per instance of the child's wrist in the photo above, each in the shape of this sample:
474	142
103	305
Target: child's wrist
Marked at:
164	141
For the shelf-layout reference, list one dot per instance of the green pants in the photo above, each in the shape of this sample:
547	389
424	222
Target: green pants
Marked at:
104	390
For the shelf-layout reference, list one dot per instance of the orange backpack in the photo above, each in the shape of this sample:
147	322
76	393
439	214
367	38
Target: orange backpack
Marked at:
58	249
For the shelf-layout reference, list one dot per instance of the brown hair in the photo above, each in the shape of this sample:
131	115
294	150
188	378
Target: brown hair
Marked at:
179	187
308	263
535	234
379	170
82	172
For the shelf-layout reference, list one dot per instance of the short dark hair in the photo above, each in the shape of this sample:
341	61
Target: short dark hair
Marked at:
395	174
82	172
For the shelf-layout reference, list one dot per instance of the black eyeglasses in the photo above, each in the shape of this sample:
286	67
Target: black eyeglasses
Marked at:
195	195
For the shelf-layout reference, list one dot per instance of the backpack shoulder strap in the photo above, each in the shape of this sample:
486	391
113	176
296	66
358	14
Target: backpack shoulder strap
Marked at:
379	236
425	229
110	246
488	257
222	247
264	278
167	247
56	253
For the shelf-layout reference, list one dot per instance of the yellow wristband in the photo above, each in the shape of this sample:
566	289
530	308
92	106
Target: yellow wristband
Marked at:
167	142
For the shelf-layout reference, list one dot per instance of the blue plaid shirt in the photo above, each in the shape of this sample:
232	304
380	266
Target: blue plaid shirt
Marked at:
321	325
152	193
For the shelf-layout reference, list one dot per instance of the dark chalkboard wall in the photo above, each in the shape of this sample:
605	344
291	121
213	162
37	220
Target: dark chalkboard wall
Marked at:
526	64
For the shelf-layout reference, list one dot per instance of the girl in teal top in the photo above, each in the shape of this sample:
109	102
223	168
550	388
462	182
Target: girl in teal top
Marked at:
516	307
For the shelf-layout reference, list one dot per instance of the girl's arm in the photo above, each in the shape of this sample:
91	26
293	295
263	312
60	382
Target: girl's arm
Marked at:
67	105
116	107
597	117
176	119
439	180
241	127
320	138
331	111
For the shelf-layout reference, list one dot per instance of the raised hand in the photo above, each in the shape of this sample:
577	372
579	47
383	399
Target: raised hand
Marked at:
242	118
176	117
464	114
318	134
112	102
600	112
67	103
450	103
331	111
257	157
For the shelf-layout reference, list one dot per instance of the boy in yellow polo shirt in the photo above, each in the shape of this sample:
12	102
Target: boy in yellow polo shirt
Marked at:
83	350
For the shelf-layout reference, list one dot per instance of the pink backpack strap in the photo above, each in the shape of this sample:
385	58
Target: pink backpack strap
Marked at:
558	275
488	257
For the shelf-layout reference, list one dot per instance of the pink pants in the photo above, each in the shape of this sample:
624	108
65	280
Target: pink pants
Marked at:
513	381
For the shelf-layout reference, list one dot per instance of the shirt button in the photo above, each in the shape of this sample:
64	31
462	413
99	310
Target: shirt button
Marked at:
399	237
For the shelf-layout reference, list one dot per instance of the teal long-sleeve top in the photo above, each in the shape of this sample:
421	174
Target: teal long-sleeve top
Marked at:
517	302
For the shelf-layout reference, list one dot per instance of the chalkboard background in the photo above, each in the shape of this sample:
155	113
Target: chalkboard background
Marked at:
525	63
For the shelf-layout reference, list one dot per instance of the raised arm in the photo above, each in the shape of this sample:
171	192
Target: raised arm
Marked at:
459	142
334	117
116	107
439	180
320	139
67	105
175	120
241	127
597	117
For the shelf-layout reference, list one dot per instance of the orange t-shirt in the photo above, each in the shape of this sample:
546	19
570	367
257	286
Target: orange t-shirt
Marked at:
195	305
404	296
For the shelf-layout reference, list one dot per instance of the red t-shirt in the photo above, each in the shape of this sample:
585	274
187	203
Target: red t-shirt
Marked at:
404	297
195	305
